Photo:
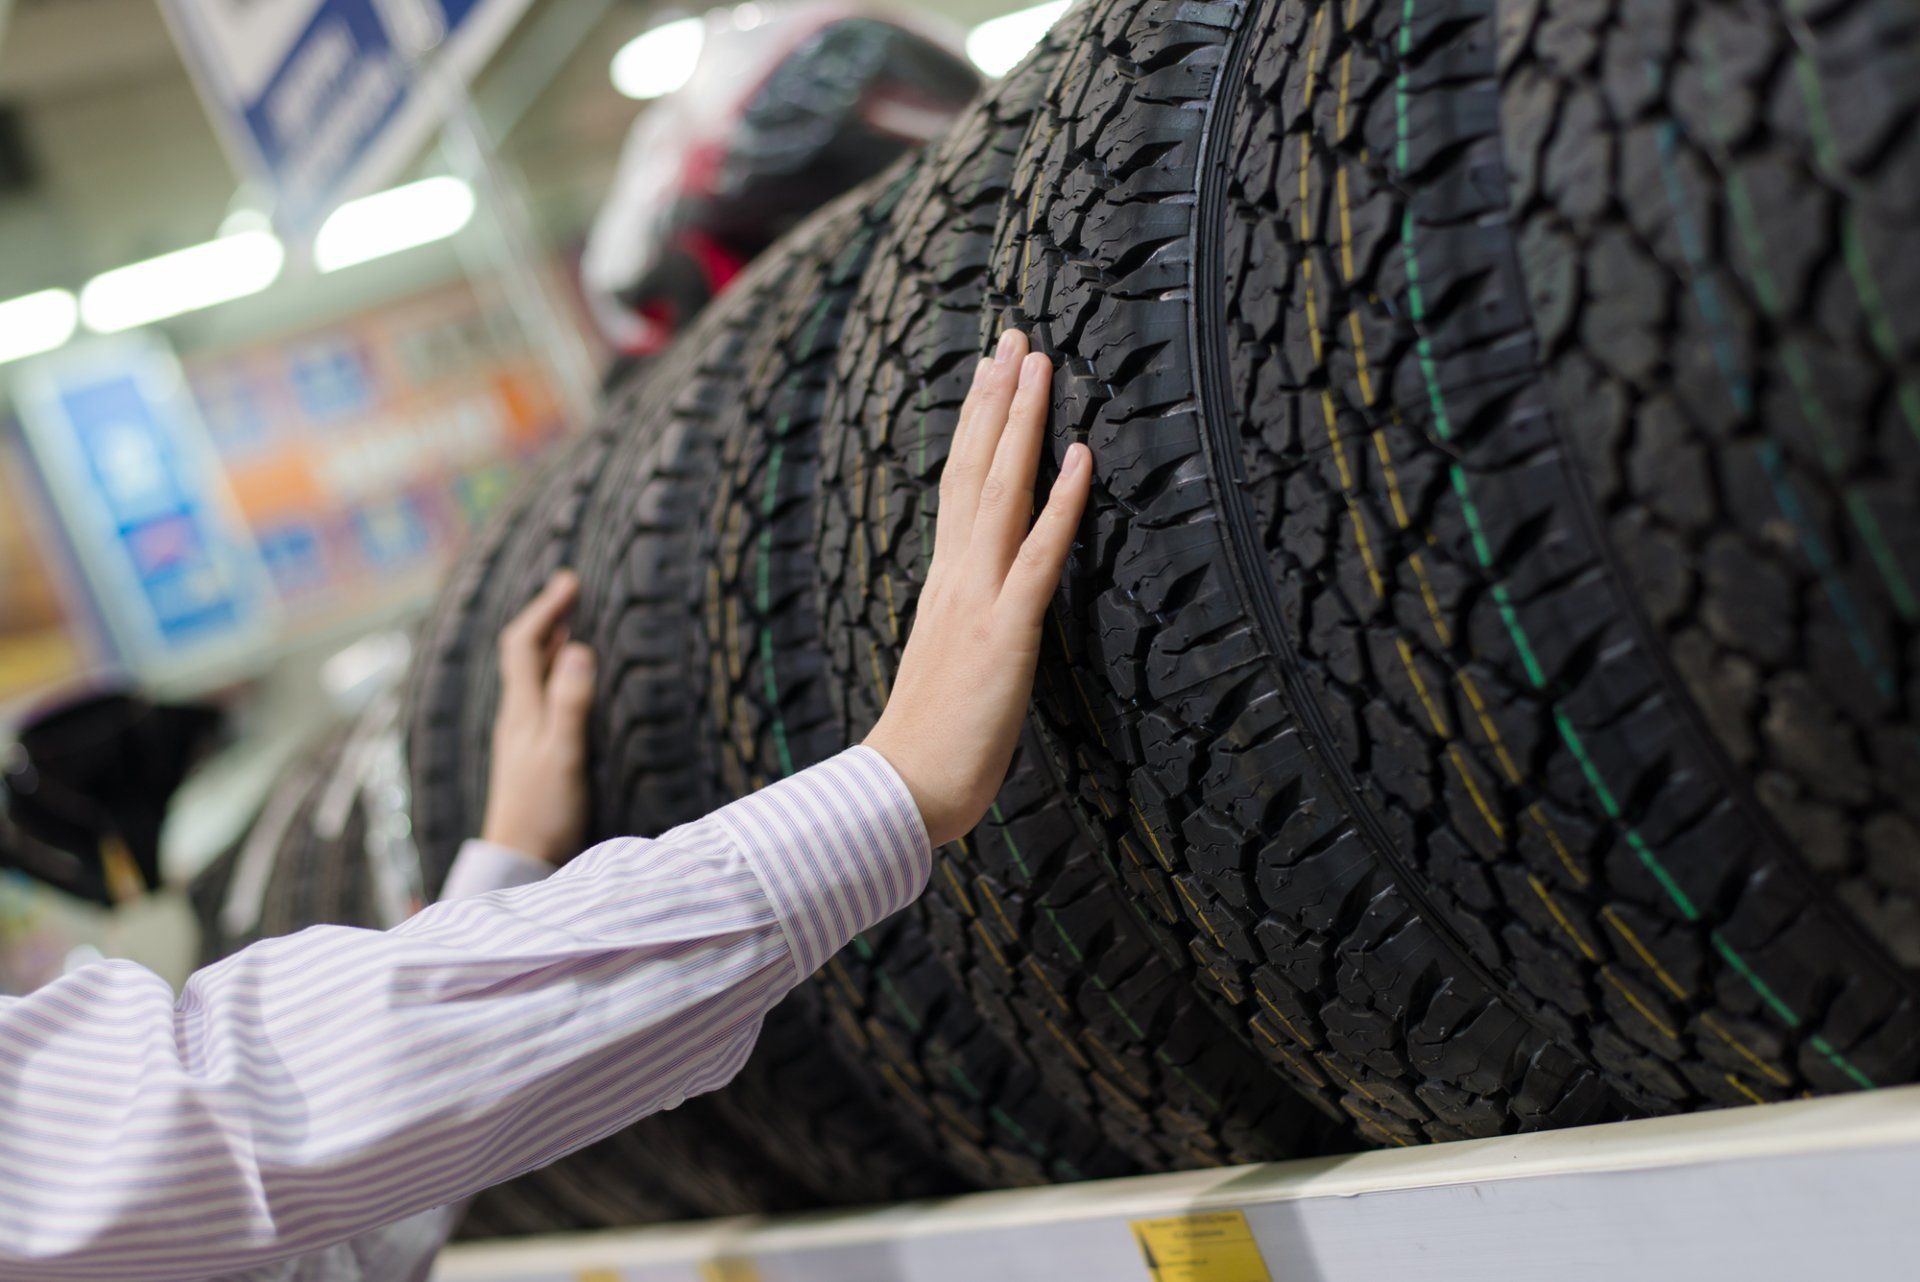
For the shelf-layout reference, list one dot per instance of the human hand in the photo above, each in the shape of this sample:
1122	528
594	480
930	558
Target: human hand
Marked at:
950	726
537	786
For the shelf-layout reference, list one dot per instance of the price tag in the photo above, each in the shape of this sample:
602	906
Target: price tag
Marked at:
729	1269
1216	1246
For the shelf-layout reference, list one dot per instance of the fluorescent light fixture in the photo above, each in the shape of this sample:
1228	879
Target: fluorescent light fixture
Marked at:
657	62
998	44
390	221
244	218
35	323
186	280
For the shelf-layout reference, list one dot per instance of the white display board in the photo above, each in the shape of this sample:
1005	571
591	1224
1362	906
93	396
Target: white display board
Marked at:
1814	1189
322	100
170	566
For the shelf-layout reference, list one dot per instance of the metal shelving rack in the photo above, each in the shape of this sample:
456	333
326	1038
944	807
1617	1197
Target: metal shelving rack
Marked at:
1809	1190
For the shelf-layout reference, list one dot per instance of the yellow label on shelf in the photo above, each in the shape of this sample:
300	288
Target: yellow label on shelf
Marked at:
727	1269
1213	1247
596	1275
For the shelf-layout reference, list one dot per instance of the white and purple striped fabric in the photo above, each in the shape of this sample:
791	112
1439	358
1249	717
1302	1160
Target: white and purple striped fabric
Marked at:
404	1251
309	1088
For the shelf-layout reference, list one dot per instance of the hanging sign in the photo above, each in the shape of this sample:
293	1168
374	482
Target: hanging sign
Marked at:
323	100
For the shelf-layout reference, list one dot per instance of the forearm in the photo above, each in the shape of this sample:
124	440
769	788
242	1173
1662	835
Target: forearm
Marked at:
310	1087
404	1250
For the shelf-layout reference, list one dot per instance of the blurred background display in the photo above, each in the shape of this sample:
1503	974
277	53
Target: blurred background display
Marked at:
359	453
294	292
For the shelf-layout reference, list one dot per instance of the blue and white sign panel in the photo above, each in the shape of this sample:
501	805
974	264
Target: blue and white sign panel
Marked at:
172	567
324	100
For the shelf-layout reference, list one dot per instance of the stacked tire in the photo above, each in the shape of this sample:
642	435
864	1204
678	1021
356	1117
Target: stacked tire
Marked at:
1483	696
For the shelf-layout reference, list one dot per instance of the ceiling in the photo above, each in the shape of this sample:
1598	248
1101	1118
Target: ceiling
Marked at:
123	163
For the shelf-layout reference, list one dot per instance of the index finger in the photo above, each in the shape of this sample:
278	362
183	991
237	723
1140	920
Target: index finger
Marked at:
524	643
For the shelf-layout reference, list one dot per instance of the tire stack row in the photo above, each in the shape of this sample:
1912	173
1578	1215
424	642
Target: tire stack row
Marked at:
1483	696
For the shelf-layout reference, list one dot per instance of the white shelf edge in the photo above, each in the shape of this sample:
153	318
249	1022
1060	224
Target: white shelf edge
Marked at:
1846	1124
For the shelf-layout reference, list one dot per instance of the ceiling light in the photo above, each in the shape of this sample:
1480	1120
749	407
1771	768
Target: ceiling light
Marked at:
998	44
244	218
659	61
35	323
390	221
186	280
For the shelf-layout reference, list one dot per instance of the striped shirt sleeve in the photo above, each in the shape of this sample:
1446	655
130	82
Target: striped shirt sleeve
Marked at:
308	1088
404	1250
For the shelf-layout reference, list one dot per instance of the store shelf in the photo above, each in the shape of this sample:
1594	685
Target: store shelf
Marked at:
1826	1188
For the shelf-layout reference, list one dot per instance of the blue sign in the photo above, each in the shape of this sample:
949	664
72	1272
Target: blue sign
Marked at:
325	99
296	557
141	494
136	476
337	88
330	379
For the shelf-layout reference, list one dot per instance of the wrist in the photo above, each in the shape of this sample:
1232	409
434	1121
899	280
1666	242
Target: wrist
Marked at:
521	842
936	816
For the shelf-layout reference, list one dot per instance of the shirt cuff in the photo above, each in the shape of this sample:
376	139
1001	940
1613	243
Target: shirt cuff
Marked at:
838	848
483	866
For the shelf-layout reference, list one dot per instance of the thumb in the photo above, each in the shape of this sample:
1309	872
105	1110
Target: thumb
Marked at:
570	690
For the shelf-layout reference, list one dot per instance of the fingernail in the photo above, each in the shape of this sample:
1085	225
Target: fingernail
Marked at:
1077	457
980	370
1034	369
1009	342
575	658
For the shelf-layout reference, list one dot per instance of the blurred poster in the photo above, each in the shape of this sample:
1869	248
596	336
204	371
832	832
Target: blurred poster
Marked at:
322	99
362	454
260	495
142	498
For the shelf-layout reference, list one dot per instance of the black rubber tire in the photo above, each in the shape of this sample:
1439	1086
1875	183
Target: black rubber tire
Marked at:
1157	700
1711	552
315	881
446	647
453	682
592	1188
951	1083
206	895
519	1208
1026	916
548	536
689	1158
284	820
1458	944
1488	662
808	1109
